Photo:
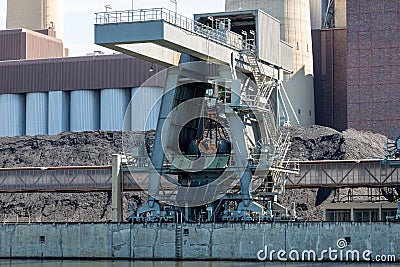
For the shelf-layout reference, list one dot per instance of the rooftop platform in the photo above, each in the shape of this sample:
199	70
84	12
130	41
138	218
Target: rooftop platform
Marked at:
160	35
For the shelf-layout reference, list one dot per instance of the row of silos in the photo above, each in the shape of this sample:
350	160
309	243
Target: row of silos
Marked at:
81	110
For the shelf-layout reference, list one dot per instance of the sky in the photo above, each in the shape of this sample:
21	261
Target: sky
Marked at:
79	17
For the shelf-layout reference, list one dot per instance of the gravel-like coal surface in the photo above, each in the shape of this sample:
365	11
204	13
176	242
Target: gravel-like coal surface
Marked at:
96	148
322	143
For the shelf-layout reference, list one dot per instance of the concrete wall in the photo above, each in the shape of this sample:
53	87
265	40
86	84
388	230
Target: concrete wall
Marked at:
35	15
207	241
340	13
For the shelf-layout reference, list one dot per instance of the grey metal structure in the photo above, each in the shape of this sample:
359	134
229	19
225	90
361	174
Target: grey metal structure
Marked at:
316	174
217	145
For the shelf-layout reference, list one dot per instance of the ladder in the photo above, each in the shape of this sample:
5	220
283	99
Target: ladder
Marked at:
265	85
178	239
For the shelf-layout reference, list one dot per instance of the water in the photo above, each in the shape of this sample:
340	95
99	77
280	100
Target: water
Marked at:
33	263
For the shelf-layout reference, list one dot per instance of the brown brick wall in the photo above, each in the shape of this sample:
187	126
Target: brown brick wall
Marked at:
373	65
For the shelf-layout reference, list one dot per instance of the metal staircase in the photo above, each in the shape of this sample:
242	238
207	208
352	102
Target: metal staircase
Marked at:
264	83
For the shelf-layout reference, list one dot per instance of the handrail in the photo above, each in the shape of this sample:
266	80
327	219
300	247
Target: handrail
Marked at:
222	36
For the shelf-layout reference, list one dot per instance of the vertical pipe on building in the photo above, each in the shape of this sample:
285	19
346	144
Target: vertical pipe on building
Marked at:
36	113
116	180
84	110
12	114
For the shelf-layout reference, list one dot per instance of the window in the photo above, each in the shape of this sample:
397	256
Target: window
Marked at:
366	215
186	232
338	215
388	212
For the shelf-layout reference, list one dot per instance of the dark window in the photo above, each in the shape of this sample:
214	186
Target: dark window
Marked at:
42	239
185	232
366	215
338	215
388	212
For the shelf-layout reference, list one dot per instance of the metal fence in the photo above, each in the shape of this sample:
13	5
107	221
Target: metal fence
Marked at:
221	36
312	174
55	179
344	173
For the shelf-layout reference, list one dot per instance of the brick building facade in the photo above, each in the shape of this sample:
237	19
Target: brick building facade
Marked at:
373	66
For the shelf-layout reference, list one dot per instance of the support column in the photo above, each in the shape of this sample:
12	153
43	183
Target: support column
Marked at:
116	205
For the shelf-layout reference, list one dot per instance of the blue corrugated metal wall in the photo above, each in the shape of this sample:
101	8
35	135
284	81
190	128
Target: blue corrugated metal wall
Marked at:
145	108
113	107
12	114
85	110
36	113
58	112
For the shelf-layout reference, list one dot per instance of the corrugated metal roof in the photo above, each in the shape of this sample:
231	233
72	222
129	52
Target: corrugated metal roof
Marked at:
90	72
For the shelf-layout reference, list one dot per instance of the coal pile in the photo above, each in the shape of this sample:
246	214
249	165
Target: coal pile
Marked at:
65	149
95	148
322	143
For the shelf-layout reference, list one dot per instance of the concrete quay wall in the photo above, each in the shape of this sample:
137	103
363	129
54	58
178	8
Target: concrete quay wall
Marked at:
205	241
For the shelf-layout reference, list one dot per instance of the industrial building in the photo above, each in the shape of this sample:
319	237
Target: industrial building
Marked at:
345	59
356	63
45	92
339	68
35	15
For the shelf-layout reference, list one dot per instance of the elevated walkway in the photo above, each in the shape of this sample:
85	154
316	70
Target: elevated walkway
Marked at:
160	35
312	174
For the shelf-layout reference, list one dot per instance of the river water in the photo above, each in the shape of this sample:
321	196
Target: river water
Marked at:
33	263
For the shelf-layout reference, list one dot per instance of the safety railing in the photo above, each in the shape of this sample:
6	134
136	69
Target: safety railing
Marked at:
344	173
55	179
221	36
335	173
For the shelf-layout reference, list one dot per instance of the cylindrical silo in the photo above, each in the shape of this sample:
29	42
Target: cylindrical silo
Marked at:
36	113
58	112
294	16
113	107
145	108
12	114
84	110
